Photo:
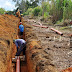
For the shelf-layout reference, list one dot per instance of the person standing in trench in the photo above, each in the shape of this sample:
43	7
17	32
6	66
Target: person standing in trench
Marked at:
20	45
21	29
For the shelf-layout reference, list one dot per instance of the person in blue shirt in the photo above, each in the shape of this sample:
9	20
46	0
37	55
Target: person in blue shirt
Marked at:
21	28
21	46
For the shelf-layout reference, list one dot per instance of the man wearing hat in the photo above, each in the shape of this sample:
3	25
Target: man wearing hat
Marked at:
21	46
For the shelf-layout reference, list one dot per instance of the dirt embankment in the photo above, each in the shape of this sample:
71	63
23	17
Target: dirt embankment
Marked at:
8	32
46	50
37	60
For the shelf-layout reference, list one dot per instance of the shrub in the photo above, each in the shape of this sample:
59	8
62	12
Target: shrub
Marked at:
28	12
37	11
2	11
46	14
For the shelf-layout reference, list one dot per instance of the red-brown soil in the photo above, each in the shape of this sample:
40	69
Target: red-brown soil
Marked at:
8	32
46	51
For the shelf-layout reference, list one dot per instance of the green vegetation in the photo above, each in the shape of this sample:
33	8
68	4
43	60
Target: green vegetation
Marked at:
45	7
67	13
25	4
63	28
2	11
56	9
37	11
28	12
10	12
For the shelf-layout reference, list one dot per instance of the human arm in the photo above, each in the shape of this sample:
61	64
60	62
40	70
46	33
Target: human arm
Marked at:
16	44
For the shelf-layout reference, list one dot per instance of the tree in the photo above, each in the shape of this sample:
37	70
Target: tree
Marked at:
25	4
67	11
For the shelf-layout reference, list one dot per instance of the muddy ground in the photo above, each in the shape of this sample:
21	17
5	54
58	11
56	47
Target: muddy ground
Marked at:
54	48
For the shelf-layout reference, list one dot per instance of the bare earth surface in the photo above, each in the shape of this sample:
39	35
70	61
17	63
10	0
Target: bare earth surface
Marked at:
48	50
56	48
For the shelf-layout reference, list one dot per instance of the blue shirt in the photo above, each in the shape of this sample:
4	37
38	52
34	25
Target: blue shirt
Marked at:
21	27
19	42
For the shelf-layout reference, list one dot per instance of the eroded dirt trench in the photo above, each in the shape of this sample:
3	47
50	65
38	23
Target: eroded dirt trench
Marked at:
8	32
23	63
46	51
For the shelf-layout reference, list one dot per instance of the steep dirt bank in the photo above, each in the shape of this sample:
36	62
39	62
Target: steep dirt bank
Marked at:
37	60
8	32
46	50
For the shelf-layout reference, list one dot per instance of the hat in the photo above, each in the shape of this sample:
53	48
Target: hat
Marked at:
20	22
14	40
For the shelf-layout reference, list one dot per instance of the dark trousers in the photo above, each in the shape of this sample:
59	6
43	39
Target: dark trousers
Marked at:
21	33
22	48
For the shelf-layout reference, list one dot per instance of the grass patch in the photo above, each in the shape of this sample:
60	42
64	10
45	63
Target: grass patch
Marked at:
62	28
